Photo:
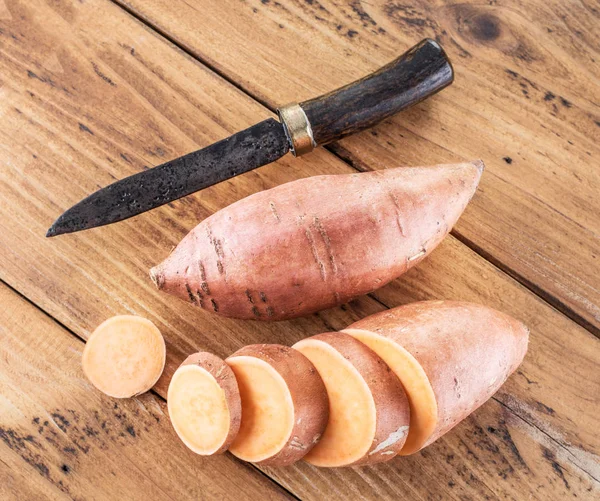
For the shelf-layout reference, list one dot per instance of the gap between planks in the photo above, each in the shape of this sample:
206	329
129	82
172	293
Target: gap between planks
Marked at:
545	296
153	391
550	437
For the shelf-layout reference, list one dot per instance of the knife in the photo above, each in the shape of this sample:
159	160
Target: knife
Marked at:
417	74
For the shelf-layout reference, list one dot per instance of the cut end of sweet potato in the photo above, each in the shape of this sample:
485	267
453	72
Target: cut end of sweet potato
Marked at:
267	409
368	410
124	356
204	404
284	404
351	428
421	398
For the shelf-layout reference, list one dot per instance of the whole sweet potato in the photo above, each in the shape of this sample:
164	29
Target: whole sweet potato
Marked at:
317	242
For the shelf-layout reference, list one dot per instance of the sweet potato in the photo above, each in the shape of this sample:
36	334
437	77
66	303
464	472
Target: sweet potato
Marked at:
124	356
284	404
204	404
389	384
368	410
450	356
318	242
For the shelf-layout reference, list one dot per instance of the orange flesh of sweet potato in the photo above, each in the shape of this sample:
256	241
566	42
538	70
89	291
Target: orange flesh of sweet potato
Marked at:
368	411
291	250
124	356
352	420
268	414
423	406
284	404
204	404
465	352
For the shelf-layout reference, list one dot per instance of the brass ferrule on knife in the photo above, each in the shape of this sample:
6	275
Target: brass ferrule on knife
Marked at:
297	129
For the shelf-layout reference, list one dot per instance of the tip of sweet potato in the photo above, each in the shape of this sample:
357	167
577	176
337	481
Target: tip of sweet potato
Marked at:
479	164
157	277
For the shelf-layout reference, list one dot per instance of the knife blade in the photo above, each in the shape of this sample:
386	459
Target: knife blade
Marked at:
258	145
417	74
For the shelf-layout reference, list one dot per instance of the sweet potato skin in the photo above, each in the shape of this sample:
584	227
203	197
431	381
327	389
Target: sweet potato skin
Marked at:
226	380
317	242
391	404
467	351
311	404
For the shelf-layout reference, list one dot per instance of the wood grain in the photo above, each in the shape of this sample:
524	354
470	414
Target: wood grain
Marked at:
525	100
91	95
62	439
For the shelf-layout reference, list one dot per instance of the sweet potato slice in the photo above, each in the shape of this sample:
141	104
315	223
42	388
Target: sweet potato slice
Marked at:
284	404
368	410
423	406
292	250
124	356
204	404
450	356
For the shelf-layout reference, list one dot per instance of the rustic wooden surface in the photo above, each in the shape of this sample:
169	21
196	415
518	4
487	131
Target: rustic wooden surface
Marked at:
61	439
526	99
89	94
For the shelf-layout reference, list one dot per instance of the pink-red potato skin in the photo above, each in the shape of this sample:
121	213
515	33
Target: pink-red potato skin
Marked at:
466	350
391	404
226	380
311	405
317	242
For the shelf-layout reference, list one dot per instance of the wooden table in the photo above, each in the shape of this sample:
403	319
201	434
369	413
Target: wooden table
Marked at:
95	90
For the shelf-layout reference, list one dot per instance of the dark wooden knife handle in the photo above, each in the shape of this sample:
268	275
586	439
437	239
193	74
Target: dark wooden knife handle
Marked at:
414	76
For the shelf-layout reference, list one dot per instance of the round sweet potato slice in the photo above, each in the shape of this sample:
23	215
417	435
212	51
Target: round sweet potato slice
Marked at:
124	356
204	404
368	413
284	404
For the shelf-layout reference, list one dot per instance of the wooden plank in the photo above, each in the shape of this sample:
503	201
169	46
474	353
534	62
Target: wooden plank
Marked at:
524	100
62	439
120	98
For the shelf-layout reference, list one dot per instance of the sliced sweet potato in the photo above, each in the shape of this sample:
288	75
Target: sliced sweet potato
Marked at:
284	404
368	410
124	356
450	356
423	415
204	404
